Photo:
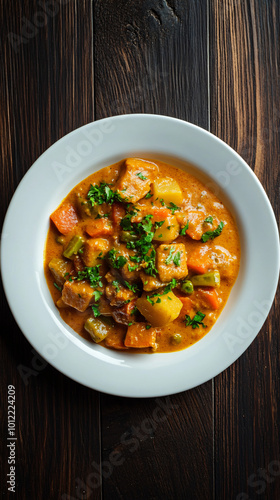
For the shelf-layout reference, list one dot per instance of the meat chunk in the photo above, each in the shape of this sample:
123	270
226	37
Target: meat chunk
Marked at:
116	293
125	314
136	178
94	248
138	336
172	262
77	294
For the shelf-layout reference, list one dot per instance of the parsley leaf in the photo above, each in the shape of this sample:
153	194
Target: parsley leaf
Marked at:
196	321
177	259
132	268
169	259
116	262
185	228
102	193
116	284
209	220
148	195
210	235
96	311
57	287
91	274
133	288
173	207
141	176
159	224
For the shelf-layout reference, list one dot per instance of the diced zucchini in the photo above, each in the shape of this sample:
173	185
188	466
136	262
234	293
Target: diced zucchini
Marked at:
163	309
97	328
73	246
168	190
207	279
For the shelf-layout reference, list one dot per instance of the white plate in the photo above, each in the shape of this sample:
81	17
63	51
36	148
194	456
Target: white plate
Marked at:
49	180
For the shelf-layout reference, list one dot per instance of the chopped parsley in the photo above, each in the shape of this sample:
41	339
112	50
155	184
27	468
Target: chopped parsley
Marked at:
97	294
116	284
148	195
195	321
133	288
209	220
116	262
92	275
159	224
169	259
102	216
129	324
96	311
185	228
141	176
177	259
173	207
102	193
57	287
132	268
148	327
210	235
166	290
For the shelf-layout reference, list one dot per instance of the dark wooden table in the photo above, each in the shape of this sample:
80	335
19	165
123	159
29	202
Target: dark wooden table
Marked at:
214	63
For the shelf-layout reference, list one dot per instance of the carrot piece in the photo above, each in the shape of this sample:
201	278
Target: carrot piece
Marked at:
210	297
160	213
187	306
199	260
118	213
99	227
115	339
65	218
138	336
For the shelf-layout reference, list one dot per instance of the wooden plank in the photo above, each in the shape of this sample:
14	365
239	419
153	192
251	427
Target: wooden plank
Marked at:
244	82
46	91
152	57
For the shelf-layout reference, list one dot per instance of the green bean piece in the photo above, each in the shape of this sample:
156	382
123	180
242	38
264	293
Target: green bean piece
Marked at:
207	279
73	246
60	240
176	339
127	236
187	286
97	329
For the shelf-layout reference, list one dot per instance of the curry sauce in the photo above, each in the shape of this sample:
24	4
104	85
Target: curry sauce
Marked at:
141	256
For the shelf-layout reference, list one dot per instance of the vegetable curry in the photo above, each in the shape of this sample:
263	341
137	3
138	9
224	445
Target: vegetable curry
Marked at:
141	256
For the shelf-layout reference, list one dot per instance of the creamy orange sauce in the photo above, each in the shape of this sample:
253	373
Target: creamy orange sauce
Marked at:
195	196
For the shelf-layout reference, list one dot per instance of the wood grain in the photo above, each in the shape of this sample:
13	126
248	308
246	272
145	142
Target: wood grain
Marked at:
245	112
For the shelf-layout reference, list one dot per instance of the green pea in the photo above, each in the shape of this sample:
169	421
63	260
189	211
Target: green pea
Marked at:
176	339
187	286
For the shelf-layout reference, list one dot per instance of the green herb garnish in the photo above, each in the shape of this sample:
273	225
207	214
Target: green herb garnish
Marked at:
185	228
141	176
210	235
196	321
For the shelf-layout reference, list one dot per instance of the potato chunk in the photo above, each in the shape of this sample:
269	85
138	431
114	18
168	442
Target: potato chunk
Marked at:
135	179
77	294
94	248
163	309
168	190
139	337
172	262
169	230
